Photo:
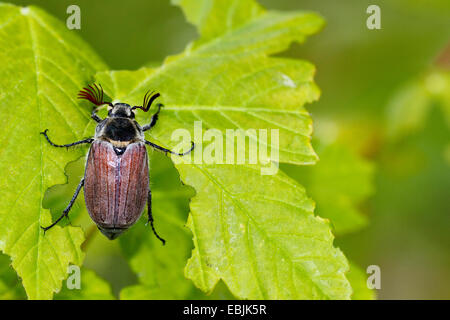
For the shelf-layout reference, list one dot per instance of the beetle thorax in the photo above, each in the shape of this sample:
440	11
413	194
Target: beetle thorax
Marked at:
120	132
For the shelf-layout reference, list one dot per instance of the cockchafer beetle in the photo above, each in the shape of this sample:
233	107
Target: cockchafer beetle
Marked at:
116	178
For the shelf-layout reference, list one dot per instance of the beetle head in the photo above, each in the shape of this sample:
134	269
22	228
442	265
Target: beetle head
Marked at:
94	94
122	110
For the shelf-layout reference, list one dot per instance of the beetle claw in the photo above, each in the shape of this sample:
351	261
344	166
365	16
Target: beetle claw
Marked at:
44	228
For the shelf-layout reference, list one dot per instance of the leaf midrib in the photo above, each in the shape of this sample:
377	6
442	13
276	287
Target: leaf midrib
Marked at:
36	56
41	186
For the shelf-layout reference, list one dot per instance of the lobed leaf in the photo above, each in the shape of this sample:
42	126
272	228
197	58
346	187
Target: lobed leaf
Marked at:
257	233
260	236
43	65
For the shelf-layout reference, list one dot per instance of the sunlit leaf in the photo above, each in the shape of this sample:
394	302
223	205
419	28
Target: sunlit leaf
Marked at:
43	65
358	280
256	232
92	287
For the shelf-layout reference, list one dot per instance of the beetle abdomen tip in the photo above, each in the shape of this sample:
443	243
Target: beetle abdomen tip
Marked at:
111	233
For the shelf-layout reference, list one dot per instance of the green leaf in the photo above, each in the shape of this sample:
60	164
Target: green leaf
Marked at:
215	18
43	65
10	286
257	233
260	236
92	287
338	183
160	268
358	280
231	82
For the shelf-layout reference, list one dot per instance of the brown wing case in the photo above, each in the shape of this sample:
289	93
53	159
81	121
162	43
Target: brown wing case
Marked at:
116	187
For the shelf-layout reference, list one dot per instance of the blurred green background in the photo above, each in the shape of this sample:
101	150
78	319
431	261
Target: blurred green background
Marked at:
385	96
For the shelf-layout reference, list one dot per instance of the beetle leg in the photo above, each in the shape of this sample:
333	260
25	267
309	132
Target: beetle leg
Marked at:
67	209
169	151
154	118
150	216
95	116
90	140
